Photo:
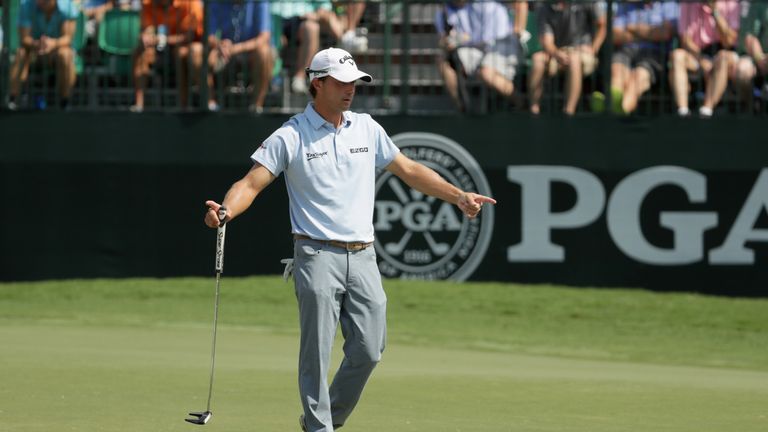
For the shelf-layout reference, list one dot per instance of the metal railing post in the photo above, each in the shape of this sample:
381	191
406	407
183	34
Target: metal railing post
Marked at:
608	44
5	53
204	68
386	88
405	44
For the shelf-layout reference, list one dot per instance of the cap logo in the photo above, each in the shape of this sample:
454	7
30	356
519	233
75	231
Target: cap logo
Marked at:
345	58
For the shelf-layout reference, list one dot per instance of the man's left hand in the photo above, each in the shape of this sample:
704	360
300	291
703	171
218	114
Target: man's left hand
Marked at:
470	203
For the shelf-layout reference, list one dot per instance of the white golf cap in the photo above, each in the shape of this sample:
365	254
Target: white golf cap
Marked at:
336	63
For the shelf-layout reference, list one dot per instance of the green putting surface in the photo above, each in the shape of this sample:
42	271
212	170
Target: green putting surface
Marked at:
133	355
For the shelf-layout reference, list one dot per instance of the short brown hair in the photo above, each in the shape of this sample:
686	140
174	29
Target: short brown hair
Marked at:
312	90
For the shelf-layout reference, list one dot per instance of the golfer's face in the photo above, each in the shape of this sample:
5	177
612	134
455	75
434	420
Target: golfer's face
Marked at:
337	94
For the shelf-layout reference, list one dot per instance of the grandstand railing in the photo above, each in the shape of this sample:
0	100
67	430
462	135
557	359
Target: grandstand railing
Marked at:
402	57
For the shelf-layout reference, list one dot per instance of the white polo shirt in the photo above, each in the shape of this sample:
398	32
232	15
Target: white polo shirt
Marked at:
330	173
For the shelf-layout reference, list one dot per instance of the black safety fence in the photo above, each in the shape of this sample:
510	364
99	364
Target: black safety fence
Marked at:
613	57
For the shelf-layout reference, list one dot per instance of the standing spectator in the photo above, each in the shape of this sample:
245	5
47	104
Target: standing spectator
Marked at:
708	34
175	25
642	32
479	39
571	35
754	41
46	28
240	29
302	22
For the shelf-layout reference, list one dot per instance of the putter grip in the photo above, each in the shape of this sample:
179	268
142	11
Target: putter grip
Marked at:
220	234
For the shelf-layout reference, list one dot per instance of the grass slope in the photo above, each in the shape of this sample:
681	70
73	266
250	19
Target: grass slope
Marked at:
132	355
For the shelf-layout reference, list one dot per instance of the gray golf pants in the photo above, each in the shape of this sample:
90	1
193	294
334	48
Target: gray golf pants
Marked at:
335	286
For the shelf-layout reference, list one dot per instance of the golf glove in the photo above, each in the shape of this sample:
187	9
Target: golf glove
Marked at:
288	272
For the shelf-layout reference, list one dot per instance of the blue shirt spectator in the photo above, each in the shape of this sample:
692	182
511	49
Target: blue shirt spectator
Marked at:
238	20
90	4
477	23
32	17
652	14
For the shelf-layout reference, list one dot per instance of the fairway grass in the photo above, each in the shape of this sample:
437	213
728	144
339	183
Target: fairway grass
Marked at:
133	355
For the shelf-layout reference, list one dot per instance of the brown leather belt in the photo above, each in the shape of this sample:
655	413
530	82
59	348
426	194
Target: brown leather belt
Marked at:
349	246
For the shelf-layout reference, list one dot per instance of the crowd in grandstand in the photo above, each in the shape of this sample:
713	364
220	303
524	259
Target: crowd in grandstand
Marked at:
516	49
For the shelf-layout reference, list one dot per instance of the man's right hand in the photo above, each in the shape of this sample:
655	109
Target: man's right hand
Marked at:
212	215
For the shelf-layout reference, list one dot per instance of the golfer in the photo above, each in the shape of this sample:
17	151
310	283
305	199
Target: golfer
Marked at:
330	156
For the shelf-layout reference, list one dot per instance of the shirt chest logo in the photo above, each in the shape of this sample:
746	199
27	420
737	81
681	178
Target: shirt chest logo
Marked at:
311	156
358	150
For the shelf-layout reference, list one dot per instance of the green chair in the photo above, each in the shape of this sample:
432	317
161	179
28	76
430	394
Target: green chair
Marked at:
11	34
277	42
532	25
119	37
78	41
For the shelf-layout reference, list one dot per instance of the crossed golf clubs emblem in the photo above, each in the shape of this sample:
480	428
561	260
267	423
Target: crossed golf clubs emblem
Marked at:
397	248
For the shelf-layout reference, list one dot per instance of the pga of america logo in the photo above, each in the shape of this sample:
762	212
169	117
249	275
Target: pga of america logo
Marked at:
421	237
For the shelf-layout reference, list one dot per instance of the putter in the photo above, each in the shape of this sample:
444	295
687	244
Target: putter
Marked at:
201	418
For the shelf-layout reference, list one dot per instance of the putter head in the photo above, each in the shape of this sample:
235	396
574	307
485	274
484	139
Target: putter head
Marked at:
200	418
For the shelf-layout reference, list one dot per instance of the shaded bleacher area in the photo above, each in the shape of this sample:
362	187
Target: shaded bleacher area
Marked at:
402	53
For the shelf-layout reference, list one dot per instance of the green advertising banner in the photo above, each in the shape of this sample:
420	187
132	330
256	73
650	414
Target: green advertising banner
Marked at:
659	203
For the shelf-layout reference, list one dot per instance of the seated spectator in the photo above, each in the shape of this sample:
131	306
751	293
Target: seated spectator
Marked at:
46	28
570	35
708	34
94	11
240	30
642	33
176	26
479	40
754	41
302	22
354	39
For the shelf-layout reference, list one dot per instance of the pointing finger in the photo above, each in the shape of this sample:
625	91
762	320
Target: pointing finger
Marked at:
480	199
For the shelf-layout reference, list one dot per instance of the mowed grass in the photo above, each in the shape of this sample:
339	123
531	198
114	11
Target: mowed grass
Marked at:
133	355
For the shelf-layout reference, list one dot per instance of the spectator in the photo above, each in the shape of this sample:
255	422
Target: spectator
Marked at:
240	30
754	40
708	34
46	28
302	22
175	25
355	38
642	33
94	11
570	35
479	39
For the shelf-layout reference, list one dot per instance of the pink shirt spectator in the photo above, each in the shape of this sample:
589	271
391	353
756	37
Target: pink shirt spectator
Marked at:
696	21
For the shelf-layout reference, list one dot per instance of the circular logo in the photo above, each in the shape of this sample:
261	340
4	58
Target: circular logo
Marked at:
422	237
